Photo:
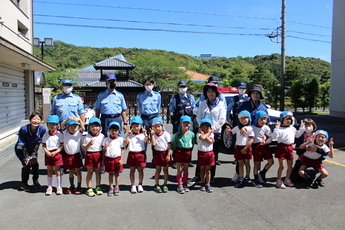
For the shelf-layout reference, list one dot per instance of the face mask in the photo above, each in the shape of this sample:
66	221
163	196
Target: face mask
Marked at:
111	86
149	88
309	129
67	89
241	91
182	90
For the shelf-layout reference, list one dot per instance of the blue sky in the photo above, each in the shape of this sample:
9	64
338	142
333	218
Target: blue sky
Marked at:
227	28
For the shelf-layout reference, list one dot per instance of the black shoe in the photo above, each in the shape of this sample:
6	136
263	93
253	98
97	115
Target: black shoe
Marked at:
218	163
37	185
239	184
320	183
314	185
191	164
174	166
25	187
246	179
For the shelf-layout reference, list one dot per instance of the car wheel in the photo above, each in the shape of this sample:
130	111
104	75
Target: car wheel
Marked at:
227	140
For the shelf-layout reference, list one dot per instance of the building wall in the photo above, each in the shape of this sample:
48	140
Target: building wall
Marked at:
337	105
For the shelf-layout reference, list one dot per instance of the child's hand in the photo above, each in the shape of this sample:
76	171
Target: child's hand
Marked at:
91	142
331	143
168	158
278	124
244	151
130	132
144	132
201	132
302	123
243	131
120	162
152	131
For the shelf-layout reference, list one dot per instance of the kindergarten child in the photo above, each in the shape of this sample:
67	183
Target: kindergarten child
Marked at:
52	143
206	159
136	139
72	158
182	145
314	159
243	152
261	150
161	140
113	150
285	134
93	156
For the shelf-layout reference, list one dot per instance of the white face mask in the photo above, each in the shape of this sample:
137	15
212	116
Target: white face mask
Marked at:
182	90
148	88
241	91
67	89
309	129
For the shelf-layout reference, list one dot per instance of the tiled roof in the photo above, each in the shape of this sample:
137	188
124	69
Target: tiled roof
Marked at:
114	63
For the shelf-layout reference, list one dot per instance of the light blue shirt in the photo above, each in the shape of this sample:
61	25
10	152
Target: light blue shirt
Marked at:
149	103
110	103
66	106
172	105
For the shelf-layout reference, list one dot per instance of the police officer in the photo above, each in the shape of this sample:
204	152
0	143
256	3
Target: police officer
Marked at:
111	106
214	80
67	104
181	104
236	102
149	103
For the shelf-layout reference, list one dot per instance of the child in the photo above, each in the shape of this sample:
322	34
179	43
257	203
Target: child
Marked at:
182	145
26	148
52	147
113	151
314	159
161	140
93	155
206	159
72	159
285	135
243	152
136	140
261	150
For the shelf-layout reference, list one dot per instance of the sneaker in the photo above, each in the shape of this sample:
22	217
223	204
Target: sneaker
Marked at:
180	189
193	181
133	189
185	187
117	191
174	166
320	182
90	192
140	188
203	188
257	183
78	190
102	169
165	189
191	164
59	191
49	191
209	189
262	177
71	190
25	187
288	182
235	178
110	192
280	184
157	189
239	184
246	179
314	185
37	185
218	163
98	190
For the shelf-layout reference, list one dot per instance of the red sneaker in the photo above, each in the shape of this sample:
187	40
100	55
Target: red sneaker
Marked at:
78	191
71	190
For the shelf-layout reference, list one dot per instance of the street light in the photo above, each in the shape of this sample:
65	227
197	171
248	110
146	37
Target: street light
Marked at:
46	42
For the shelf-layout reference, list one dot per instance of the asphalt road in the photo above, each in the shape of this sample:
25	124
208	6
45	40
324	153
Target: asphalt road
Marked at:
226	208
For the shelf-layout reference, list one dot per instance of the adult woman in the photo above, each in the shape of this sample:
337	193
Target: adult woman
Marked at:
214	109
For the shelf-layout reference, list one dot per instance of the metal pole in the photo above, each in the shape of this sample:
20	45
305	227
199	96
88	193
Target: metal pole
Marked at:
42	54
282	65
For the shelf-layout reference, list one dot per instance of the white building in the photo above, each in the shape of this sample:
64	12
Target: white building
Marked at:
17	64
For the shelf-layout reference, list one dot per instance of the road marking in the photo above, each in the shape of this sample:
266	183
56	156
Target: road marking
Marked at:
338	157
336	163
339	148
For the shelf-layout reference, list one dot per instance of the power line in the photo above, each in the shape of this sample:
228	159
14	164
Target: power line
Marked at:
321	35
306	24
308	39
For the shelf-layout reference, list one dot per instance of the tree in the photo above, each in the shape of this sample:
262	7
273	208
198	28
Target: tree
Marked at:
296	94
311	92
293	72
324	94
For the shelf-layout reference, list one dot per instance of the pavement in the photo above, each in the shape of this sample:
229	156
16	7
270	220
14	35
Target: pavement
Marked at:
226	208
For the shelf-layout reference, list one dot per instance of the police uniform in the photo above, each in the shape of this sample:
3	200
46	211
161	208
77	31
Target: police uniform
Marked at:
111	105
149	106
67	106
181	105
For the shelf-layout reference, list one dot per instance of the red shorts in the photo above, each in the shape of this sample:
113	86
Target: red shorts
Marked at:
206	158
112	165
182	155
284	152
72	161
310	162
136	159
261	152
53	161
159	158
93	159
241	156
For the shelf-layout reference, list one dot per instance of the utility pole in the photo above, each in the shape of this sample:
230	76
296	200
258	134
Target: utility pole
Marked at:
282	64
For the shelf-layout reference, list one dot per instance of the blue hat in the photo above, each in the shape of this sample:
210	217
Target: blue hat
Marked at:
206	120
111	76
256	88
259	114
67	81
213	79
95	120
53	119
72	122
245	113
114	123
157	121
285	114
182	83
242	85
321	132
185	118
137	120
